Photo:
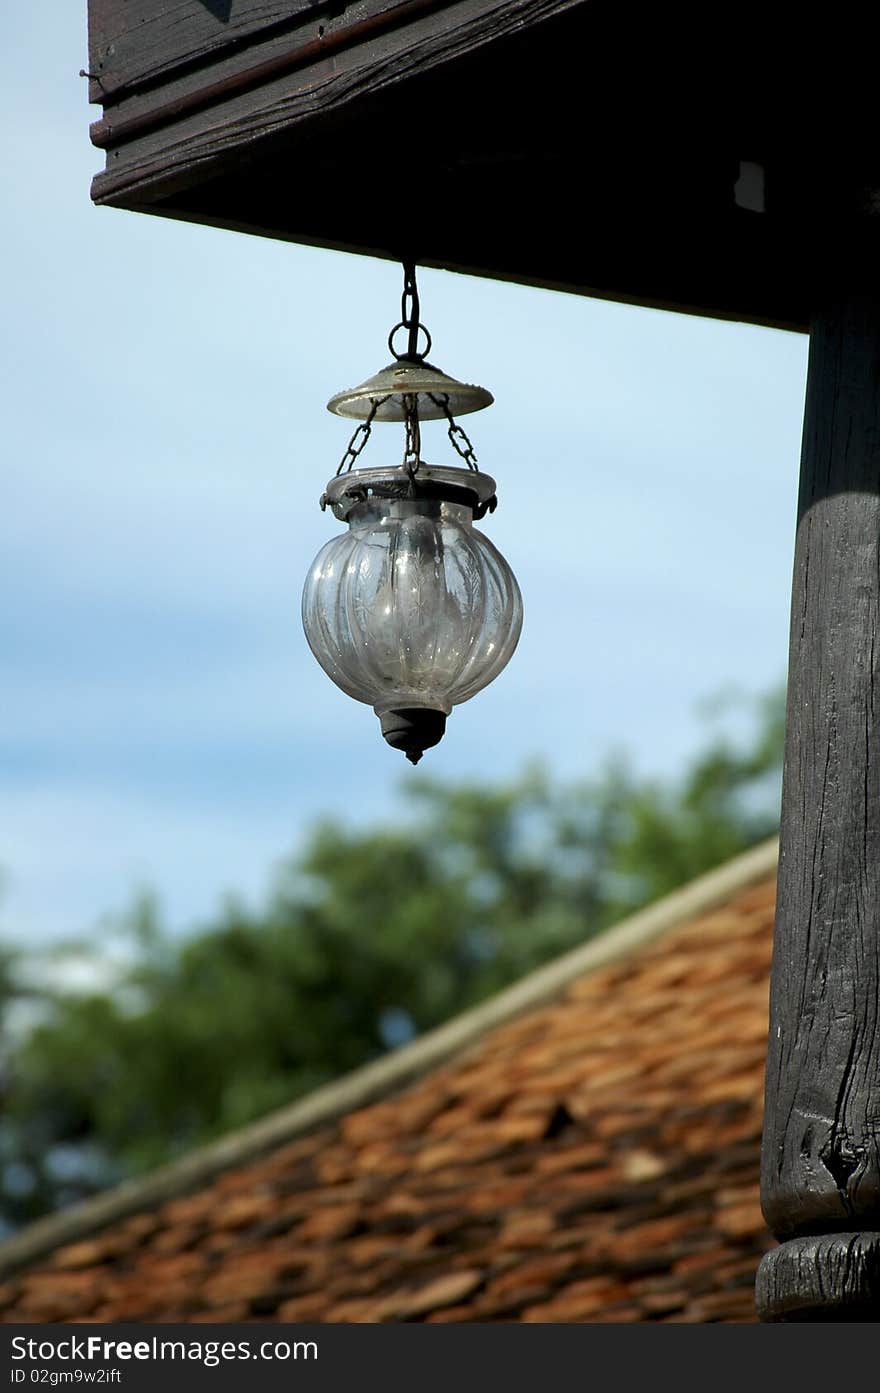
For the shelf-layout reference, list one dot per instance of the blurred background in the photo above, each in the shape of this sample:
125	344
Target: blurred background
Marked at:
220	888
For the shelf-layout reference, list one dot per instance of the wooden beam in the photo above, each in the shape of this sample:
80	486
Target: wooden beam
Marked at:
526	180
137	43
821	1157
274	52
202	119
576	144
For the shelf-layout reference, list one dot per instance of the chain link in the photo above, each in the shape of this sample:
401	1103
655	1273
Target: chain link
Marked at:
409	308
412	452
457	433
360	437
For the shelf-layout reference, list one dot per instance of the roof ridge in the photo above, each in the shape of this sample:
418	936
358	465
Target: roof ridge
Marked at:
393	1071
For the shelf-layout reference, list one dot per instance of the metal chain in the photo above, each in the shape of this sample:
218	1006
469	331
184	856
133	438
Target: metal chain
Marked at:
409	308
409	319
457	433
412	452
360	437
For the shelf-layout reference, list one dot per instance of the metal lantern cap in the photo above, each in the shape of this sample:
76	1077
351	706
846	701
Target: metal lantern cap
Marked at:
444	482
439	395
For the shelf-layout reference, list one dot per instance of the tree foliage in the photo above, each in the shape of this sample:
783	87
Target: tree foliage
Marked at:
368	937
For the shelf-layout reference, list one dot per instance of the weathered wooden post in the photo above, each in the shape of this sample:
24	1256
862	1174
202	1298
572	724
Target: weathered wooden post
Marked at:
821	1159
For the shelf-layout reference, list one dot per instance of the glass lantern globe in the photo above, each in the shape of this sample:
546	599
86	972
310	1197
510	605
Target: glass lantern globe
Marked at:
413	610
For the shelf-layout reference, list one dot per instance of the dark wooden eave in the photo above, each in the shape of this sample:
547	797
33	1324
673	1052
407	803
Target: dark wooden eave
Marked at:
585	145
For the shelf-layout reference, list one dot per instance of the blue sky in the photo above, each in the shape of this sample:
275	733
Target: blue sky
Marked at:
165	444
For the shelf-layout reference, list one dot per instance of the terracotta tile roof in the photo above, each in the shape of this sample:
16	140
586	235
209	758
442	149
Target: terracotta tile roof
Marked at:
594	1159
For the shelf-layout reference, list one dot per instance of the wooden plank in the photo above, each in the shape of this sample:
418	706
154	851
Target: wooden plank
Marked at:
821	1157
202	139
616	270
133	43
462	90
704	255
234	70
501	109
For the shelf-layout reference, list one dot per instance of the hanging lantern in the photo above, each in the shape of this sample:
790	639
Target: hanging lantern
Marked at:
413	610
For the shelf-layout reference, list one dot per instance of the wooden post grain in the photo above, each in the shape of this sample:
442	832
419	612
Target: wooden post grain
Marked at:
821	1155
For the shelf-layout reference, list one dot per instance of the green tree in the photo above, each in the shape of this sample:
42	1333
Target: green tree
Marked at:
367	938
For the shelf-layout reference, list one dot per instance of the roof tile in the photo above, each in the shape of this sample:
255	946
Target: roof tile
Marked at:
446	1290
594	1159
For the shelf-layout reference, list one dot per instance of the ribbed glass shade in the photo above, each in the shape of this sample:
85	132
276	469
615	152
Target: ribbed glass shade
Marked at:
412	607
